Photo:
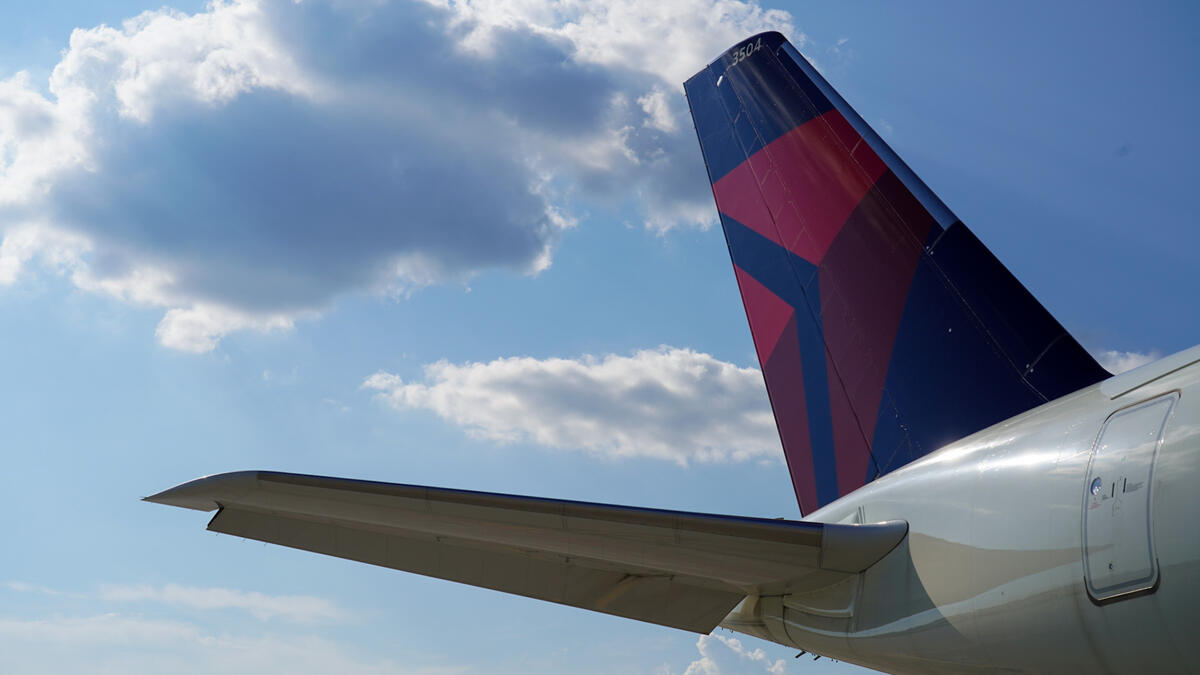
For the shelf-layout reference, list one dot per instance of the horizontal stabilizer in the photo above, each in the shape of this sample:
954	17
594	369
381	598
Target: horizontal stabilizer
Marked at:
685	570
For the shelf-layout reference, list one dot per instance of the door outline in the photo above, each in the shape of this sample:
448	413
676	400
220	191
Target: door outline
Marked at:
1147	584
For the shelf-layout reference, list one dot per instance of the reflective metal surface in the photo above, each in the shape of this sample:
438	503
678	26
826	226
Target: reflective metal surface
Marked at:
992	575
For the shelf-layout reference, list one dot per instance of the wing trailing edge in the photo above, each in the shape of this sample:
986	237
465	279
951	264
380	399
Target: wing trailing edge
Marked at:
674	568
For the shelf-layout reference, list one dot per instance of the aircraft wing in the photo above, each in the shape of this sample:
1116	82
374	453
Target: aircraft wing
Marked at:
685	570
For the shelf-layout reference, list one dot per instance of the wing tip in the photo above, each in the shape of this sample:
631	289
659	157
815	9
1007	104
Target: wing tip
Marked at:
205	493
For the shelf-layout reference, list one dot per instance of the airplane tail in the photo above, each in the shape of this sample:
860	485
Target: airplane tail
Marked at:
884	328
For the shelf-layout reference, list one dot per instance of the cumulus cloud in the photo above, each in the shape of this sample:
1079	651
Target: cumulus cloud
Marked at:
1117	362
721	654
673	404
242	167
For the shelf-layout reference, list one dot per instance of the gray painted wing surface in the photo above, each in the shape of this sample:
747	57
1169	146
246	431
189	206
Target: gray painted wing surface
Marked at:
679	569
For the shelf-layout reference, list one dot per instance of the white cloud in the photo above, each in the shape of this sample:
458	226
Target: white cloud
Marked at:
657	106
1117	362
187	325
174	629
198	328
673	404
670	40
23	587
295	608
160	58
245	166
720	654
839	52
336	405
115	643
56	250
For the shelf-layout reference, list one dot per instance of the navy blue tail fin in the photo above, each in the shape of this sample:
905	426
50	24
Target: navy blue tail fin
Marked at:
884	328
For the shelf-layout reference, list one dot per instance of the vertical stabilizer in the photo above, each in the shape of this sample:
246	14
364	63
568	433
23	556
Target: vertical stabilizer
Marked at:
884	328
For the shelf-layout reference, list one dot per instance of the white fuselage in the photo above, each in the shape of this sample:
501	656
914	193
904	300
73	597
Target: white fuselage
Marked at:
1024	553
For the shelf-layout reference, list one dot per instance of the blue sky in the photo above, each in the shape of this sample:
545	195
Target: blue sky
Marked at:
332	237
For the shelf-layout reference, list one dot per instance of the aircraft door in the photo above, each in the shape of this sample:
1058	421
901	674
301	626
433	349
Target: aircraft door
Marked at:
1117	530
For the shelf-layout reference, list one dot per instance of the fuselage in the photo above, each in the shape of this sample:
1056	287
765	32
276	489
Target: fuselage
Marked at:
1065	539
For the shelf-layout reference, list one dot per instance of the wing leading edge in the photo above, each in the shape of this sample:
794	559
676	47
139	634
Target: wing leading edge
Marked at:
679	569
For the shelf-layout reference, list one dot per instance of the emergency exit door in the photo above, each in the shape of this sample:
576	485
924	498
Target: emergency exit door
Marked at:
1118	537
